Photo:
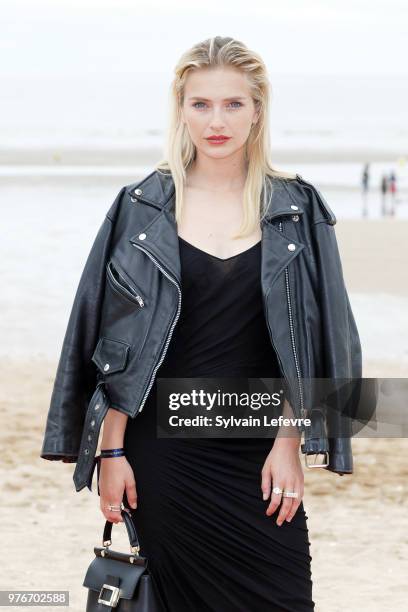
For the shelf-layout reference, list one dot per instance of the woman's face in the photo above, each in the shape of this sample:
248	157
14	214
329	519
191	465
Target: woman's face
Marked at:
217	101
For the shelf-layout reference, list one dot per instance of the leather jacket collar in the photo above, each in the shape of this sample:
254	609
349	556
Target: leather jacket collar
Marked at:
160	232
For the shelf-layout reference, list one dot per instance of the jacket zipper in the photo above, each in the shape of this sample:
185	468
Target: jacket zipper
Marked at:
292	337
276	351
173	324
126	291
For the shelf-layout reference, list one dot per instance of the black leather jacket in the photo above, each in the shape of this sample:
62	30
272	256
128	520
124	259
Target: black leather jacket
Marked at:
128	302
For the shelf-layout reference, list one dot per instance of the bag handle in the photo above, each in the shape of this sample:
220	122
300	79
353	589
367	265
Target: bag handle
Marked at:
130	528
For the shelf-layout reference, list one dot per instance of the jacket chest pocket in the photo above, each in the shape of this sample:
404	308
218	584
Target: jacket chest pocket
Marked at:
111	355
123	286
124	318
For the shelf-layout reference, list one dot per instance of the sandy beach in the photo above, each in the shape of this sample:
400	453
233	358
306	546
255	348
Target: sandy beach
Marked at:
358	524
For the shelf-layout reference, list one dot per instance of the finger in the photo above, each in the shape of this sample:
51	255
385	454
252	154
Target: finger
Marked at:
285	508
276	499
286	503
295	502
111	515
131	493
293	510
266	483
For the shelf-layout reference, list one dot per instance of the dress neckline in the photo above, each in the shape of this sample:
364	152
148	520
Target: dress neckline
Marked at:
215	256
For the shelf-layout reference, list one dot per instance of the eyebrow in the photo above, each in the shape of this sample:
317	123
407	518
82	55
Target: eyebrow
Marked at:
225	99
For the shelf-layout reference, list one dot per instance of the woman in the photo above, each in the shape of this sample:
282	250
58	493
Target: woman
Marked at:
221	520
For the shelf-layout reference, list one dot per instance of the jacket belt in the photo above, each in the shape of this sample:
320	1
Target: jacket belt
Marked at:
97	409
316	440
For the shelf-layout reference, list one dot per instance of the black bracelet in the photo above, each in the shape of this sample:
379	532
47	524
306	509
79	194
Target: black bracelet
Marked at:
112	452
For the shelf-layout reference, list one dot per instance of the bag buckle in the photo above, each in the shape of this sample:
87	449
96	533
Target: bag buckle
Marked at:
317	465
114	596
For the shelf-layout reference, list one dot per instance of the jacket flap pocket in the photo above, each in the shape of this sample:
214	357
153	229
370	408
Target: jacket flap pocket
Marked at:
111	355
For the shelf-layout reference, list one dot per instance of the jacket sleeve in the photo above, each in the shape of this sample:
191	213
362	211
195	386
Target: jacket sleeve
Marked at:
76	374
340	337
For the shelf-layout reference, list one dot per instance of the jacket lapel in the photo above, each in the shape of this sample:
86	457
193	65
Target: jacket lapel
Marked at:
276	254
160	237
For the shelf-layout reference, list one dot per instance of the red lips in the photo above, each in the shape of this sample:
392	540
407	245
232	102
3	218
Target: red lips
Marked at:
221	137
218	140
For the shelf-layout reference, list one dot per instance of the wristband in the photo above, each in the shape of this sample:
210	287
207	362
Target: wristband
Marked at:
112	452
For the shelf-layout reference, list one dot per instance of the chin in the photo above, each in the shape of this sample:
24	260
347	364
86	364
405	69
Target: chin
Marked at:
218	153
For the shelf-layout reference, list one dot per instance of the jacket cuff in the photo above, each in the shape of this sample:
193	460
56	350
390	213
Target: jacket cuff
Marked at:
340	460
64	457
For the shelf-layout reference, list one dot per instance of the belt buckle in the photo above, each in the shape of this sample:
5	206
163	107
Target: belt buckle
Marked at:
114	596
317	465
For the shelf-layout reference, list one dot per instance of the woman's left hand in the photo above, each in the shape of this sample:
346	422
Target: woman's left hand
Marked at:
282	468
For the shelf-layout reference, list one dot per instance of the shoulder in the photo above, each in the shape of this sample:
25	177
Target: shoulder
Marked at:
154	187
307	197
147	180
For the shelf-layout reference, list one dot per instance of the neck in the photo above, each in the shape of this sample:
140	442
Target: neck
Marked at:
217	174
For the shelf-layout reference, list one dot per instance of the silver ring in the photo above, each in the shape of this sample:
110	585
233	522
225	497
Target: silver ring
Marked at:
115	508
290	494
277	490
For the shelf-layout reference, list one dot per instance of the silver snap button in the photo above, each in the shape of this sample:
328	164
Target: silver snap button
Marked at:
132	199
295	218
89	437
97	406
92	422
293	207
86	451
142	236
138	192
291	246
106	367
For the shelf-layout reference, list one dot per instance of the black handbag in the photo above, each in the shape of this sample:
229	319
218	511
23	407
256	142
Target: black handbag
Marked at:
119	580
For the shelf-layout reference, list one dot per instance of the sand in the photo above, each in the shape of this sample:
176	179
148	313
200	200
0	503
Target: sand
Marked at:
374	254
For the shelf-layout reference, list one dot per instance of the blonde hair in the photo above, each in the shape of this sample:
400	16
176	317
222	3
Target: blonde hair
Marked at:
180	150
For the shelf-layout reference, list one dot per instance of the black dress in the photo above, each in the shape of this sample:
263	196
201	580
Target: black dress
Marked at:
200	515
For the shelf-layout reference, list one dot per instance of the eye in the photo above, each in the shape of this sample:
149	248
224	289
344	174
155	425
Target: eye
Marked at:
231	104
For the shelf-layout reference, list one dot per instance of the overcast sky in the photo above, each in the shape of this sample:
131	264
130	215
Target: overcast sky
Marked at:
77	37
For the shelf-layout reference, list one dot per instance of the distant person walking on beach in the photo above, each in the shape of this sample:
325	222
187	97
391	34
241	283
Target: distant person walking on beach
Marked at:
384	191
365	179
392	179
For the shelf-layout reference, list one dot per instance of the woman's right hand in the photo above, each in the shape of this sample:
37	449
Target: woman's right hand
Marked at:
116	476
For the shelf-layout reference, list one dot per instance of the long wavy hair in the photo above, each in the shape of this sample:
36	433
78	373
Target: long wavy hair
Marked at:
180	150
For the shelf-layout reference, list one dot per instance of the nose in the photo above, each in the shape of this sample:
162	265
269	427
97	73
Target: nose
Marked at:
217	122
